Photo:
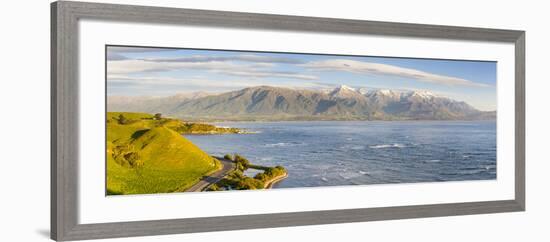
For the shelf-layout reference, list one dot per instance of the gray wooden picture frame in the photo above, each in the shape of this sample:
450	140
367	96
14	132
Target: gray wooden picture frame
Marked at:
65	112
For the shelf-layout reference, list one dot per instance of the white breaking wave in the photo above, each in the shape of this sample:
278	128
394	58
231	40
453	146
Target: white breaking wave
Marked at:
489	167
433	161
352	147
349	175
387	146
472	172
281	144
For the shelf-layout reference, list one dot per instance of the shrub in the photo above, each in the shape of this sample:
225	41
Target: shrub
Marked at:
236	180
270	173
158	116
261	177
214	187
133	159
238	174
240	167
228	157
243	161
249	184
122	119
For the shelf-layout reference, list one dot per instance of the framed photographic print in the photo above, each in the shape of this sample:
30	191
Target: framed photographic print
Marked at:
170	120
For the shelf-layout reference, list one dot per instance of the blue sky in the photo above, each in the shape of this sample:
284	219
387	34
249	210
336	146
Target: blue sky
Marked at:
134	71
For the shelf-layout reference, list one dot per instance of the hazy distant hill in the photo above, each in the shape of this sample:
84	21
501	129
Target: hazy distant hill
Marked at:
150	104
276	103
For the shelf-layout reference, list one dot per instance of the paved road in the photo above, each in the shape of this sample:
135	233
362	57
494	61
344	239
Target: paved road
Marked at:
228	166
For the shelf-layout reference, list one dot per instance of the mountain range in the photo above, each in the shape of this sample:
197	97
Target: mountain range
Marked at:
267	103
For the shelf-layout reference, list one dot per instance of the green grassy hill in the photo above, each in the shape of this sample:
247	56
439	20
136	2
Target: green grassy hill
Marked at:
148	155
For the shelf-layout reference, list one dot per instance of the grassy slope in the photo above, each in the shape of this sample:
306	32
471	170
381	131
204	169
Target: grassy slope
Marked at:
166	161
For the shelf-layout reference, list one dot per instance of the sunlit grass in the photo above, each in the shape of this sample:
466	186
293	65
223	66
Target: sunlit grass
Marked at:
145	155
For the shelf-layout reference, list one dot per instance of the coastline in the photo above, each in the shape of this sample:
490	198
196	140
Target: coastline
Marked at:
234	179
260	119
275	180
217	123
219	133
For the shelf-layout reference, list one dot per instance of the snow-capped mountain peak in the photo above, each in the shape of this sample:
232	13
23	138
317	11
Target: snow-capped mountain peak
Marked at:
382	93
422	94
344	91
347	88
385	92
363	90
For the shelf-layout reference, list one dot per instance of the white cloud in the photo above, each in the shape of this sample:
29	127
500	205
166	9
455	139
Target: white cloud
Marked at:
136	66
260	74
155	80
165	85
257	70
244	57
384	69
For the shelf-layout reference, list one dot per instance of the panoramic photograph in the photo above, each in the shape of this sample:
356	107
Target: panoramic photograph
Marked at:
197	120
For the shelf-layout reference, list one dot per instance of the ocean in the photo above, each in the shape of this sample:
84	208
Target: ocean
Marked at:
337	153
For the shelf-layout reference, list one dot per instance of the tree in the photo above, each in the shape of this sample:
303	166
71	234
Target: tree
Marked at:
122	119
240	167
228	157
214	187
243	161
261	177
158	116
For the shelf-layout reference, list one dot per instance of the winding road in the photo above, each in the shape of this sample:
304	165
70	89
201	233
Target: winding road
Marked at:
228	166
